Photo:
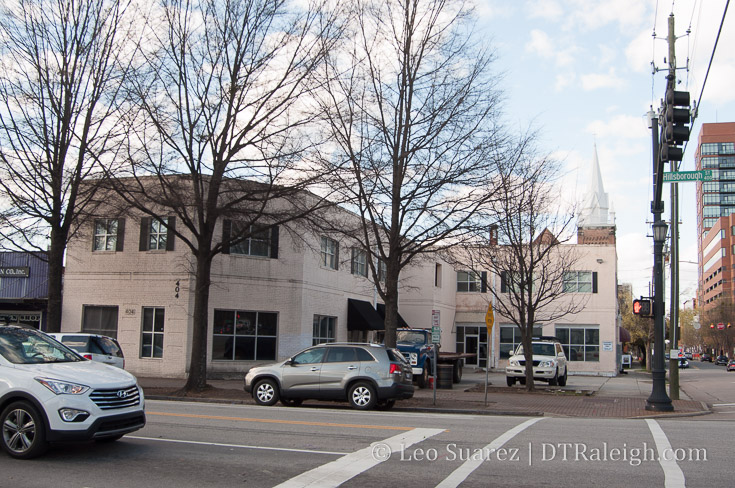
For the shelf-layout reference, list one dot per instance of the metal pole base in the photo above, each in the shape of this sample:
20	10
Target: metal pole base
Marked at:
659	401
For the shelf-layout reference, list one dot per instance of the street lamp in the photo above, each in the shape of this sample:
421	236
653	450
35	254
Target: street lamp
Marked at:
659	400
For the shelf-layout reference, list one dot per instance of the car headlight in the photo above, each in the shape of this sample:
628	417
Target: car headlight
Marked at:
62	387
547	364
513	362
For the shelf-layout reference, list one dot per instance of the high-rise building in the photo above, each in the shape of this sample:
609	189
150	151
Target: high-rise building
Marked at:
716	212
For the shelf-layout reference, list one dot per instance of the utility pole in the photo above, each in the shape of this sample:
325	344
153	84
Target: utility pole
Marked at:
674	307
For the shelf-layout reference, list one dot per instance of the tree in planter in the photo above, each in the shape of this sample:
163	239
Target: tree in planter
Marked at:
411	106
223	129
527	250
60	100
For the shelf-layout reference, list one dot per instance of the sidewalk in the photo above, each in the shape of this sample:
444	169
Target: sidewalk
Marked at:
623	396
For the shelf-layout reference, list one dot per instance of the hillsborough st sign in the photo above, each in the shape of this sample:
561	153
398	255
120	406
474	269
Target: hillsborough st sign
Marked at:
684	176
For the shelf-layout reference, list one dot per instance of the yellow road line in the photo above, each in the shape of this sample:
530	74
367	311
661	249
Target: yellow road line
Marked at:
275	421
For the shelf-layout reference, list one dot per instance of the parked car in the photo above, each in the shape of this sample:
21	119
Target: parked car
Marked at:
365	375
705	357
688	355
49	393
549	363
721	360
731	365
683	363
93	346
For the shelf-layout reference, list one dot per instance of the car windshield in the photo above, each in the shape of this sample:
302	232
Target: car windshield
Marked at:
410	337
28	346
539	349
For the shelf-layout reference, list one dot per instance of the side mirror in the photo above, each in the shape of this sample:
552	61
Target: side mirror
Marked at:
289	362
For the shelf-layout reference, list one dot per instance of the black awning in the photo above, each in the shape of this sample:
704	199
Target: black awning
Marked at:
362	316
402	324
624	335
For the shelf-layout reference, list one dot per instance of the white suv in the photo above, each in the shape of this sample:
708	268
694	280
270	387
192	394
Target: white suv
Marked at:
549	363
93	346
49	393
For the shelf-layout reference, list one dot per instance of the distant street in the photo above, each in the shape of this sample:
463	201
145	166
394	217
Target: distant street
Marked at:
711	384
200	444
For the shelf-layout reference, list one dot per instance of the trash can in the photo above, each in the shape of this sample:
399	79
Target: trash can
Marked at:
445	373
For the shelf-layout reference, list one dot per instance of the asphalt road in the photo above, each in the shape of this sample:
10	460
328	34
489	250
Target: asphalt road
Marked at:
199	444
713	385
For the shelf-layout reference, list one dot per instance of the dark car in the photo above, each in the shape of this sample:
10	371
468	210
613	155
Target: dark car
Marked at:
683	363
721	360
705	357
365	375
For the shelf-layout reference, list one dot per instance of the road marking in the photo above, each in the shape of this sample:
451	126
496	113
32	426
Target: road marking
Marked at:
347	467
673	476
277	421
723	404
240	446
460	474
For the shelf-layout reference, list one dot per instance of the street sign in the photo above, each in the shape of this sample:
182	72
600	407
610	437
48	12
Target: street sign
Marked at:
720	326
489	319
684	176
436	335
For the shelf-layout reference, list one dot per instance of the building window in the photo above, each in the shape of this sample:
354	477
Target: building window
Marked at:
330	253
359	262
578	282
108	235
158	234
382	271
468	281
152	337
257	244
324	329
244	335
438	275
510	338
100	320
581	343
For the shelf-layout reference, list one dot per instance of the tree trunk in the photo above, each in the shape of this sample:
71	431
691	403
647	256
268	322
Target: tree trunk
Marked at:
391	311
197	380
526	340
55	280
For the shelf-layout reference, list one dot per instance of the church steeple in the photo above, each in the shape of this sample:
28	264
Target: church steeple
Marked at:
595	211
596	222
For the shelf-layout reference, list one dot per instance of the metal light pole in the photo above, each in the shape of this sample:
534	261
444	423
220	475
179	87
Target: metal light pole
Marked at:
659	400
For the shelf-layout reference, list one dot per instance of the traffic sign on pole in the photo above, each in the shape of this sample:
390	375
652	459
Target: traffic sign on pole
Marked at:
684	176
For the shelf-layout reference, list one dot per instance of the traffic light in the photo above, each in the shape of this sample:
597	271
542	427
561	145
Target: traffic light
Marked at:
675	130
711	326
642	306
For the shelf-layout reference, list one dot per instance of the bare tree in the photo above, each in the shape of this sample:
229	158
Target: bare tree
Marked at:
223	128
412	109
63	62
528	249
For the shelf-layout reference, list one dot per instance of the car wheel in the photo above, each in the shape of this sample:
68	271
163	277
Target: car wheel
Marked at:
457	372
23	431
522	381
362	396
385	404
555	380
291	402
266	393
510	380
563	379
423	380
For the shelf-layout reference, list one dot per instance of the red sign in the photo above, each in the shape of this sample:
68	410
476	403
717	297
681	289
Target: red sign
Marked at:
720	326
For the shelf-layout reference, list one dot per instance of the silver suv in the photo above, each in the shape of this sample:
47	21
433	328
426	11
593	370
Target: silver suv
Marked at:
365	375
549	363
50	393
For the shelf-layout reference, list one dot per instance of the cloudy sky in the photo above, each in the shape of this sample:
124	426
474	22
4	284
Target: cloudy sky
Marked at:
580	71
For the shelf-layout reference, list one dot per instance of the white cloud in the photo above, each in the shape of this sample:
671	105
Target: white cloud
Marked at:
620	127
595	81
594	14
545	9
564	80
544	46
